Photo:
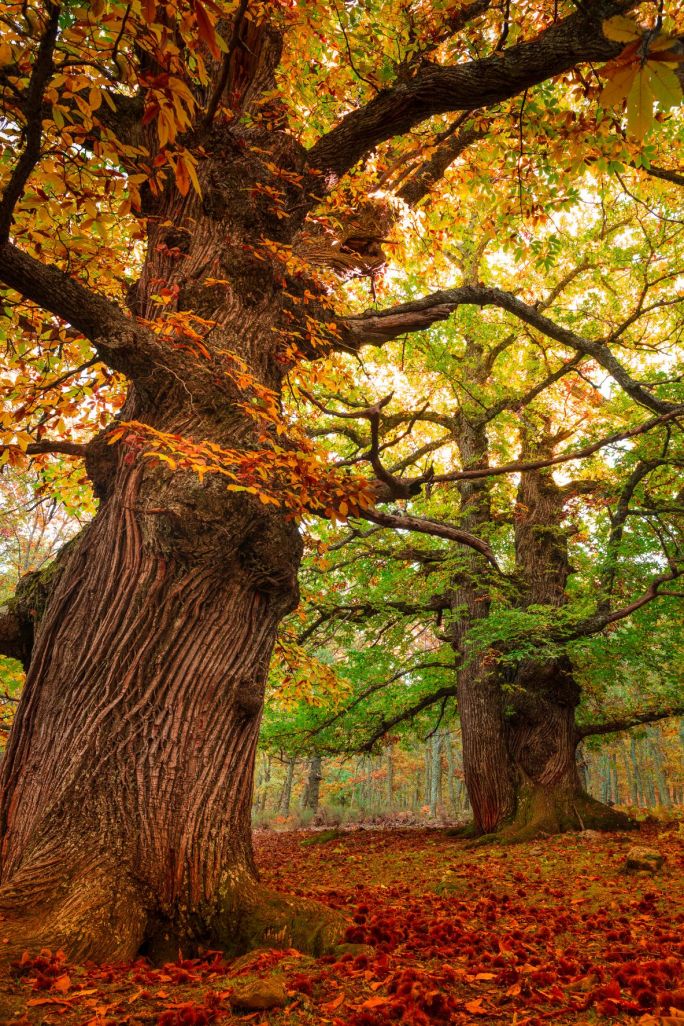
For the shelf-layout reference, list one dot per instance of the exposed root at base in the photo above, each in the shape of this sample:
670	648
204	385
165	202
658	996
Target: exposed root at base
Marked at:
467	832
271	920
91	919
543	813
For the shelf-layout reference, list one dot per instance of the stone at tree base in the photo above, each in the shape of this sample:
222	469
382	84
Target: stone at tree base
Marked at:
259	995
353	949
641	860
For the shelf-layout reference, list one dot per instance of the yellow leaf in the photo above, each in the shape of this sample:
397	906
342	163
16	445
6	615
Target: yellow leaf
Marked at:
166	129
162	456
622	30
640	106
618	86
192	171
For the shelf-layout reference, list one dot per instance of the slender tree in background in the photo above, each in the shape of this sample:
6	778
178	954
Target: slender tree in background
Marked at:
177	178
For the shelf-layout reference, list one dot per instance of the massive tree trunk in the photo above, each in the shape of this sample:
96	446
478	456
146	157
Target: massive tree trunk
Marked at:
127	783
126	788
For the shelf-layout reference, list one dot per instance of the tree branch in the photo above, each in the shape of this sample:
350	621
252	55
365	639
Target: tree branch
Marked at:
373	688
521	466
438	89
437	528
33	110
376	328
615	726
407	714
595	624
106	325
57	447
662	173
423	178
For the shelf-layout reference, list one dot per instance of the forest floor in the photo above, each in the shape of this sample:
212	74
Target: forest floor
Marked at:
547	932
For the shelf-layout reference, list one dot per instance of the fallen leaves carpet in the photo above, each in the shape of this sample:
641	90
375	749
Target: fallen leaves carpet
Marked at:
546	932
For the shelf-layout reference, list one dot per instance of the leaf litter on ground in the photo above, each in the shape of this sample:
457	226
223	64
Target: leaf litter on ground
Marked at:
545	932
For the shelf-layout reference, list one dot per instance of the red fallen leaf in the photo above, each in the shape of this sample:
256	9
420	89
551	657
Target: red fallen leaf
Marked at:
62	984
330	1006
374	1002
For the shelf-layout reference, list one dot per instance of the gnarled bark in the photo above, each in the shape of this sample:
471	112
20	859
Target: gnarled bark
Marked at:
519	732
126	788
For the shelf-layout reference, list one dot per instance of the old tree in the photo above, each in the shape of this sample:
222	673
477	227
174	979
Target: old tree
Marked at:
185	189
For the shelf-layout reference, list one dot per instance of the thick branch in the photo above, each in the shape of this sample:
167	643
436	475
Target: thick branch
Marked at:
666	176
15	637
376	328
423	178
407	714
110	330
437	528
373	688
521	466
595	624
438	90
57	448
615	726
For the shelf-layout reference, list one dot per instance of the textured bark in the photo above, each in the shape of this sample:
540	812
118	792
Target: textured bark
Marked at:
126	786
286	793
519	734
486	763
312	788
126	789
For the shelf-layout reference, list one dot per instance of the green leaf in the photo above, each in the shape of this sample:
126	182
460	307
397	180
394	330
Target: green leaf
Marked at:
664	84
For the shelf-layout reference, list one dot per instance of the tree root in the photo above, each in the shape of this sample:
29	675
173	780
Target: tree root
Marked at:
543	813
469	831
272	920
89	918
249	917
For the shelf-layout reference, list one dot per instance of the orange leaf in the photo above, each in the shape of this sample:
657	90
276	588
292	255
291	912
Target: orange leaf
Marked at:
206	29
330	1006
62	984
182	177
374	1002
